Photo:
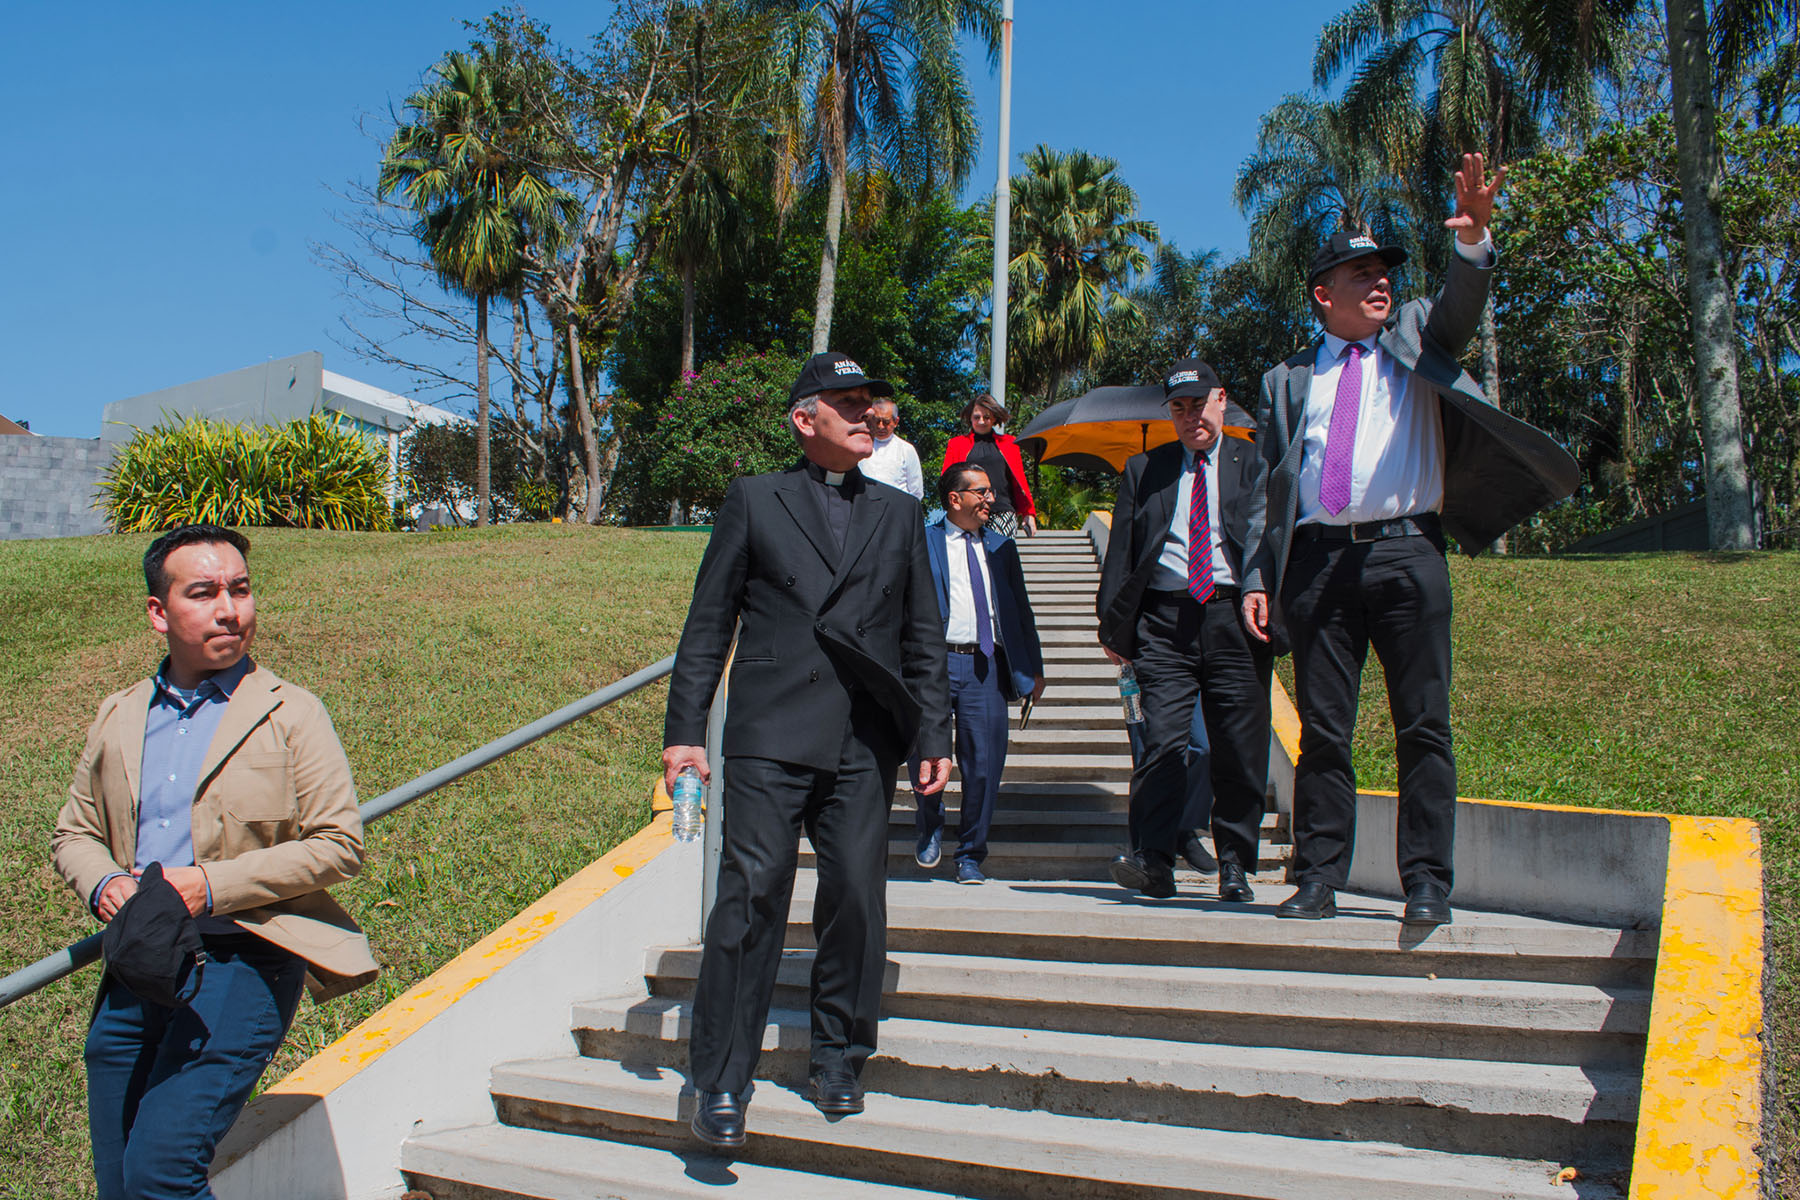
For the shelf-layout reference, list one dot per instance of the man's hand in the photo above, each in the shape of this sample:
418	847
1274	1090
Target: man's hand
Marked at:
190	884
934	773
113	896
677	757
1037	690
1474	200
1256	615
1117	660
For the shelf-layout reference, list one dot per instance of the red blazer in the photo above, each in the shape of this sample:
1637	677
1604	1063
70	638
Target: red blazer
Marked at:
962	443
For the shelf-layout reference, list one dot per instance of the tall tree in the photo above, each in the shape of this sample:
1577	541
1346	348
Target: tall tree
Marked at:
463	163
881	82
1077	241
1312	175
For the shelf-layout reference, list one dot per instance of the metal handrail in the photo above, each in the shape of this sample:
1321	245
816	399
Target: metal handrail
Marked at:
70	959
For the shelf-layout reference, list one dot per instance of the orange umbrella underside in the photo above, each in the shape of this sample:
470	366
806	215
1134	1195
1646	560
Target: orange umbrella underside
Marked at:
1116	441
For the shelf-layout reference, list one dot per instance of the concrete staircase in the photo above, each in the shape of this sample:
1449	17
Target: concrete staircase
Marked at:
1047	1036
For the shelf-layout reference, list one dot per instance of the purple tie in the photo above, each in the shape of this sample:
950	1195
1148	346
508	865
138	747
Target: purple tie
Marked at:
984	626
1200	572
1340	438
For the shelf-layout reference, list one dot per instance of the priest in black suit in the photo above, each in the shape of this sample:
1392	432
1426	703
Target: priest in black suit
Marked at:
839	672
1168	604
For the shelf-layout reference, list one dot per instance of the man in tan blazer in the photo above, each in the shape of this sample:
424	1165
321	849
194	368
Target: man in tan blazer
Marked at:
234	781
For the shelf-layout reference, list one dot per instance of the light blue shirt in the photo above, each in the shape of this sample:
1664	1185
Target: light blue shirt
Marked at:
1172	569
178	730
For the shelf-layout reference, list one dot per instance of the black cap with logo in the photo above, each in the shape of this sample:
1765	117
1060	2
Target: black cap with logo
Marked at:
1190	377
832	371
1342	247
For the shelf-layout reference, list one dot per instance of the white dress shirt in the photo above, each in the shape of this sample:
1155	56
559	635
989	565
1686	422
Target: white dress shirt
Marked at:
1172	568
896	463
1397	465
961	630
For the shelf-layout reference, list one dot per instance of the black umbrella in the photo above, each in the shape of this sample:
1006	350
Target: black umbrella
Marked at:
1100	429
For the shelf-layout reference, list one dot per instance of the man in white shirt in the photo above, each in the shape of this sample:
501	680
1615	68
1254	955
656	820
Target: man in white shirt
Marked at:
994	658
894	461
1369	436
1168	603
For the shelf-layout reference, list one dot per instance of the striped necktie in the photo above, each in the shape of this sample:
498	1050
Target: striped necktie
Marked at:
1200	557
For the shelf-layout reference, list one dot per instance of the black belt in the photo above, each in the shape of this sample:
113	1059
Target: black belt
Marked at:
1221	591
968	647
1418	525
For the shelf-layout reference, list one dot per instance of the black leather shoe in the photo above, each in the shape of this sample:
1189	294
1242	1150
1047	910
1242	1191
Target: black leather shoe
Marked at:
1426	904
1313	902
1140	875
1196	854
835	1093
719	1120
1234	885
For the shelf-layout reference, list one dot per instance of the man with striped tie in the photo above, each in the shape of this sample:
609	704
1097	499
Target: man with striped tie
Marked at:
1378	444
1168	604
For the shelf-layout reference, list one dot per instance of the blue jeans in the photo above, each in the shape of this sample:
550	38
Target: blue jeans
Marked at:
164	1084
981	715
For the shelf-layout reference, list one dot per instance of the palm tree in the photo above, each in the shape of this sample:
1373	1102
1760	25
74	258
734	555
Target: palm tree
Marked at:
1077	241
462	166
1485	87
881	81
1311	176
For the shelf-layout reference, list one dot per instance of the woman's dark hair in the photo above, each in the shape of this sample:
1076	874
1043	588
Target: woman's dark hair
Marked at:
156	580
1001	416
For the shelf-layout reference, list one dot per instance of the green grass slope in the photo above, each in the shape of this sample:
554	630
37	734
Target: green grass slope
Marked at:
1667	682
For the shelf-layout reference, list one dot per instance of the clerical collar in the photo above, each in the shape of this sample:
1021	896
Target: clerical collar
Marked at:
828	478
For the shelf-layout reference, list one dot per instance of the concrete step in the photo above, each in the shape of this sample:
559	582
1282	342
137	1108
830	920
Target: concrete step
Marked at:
1465	1105
1021	768
1077	619
1012	826
1099	923
1081	647
503	1162
1070	635
1085	672
1048	713
996	1152
1073	861
1498	1019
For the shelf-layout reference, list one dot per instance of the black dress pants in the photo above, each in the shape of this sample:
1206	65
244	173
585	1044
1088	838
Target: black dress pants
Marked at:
1339	599
1189	654
844	813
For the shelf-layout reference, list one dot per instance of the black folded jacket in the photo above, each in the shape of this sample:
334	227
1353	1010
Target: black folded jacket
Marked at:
152	945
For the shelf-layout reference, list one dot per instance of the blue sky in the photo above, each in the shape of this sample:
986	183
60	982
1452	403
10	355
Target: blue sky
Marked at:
169	165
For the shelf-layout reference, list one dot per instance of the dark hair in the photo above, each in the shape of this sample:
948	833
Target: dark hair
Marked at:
953	478
1001	416
156	580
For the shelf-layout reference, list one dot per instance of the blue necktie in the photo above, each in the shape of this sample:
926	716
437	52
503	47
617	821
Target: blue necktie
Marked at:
984	626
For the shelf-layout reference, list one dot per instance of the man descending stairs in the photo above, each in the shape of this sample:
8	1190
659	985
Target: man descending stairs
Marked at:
1050	1035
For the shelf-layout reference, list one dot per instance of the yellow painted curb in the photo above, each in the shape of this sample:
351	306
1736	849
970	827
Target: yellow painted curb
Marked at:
1285	718
409	1012
1700	1114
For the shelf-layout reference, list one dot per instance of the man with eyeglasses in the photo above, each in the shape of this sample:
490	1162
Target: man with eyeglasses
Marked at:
894	461
994	658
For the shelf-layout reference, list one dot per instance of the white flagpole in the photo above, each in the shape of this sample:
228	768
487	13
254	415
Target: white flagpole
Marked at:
1002	210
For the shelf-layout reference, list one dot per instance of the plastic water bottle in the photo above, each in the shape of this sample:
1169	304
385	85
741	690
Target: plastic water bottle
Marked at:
1130	695
688	814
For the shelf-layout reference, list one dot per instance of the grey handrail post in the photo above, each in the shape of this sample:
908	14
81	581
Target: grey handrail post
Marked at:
712	844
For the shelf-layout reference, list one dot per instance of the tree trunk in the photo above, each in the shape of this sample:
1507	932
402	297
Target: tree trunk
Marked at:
687	318
834	227
590	436
482	496
1730	515
1490	376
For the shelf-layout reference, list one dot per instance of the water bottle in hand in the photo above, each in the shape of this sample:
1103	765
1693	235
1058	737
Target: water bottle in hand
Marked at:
1130	695
689	815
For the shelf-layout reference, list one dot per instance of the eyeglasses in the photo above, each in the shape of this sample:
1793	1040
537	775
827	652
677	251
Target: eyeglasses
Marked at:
986	493
885	422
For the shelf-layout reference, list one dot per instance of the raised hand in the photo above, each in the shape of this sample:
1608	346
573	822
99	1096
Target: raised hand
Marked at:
1474	199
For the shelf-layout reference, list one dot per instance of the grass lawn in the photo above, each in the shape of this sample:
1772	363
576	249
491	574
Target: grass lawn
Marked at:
1666	682
423	647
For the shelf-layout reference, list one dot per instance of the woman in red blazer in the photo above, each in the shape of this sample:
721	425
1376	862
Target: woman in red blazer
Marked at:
998	455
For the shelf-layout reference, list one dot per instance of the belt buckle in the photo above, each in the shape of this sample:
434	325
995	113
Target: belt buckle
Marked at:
1375	528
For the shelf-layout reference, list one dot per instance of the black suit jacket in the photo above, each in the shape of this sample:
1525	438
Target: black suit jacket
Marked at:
817	625
1140	525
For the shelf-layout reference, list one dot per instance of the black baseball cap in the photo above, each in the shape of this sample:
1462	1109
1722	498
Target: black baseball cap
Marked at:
1343	247
832	371
1190	377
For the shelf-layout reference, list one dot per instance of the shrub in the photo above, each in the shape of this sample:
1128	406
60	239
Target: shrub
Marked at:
313	473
